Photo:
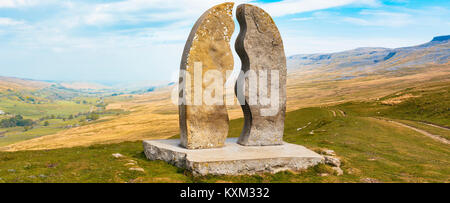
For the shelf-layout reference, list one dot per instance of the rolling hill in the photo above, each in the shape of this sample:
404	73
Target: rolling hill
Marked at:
12	84
371	150
152	115
385	112
366	60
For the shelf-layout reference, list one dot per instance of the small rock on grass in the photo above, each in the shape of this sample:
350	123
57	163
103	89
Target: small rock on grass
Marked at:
330	152
117	155
333	161
370	180
136	169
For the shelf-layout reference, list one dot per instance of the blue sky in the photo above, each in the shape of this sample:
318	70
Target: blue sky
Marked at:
142	40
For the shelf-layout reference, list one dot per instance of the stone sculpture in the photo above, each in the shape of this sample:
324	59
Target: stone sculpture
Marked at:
208	47
205	127
260	47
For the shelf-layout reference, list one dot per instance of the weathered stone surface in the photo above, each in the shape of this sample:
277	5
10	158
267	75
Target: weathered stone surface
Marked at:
260	47
329	152
205	126
333	161
233	159
370	180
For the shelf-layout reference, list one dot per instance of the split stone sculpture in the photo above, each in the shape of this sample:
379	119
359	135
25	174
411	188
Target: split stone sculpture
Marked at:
205	127
208	47
260	47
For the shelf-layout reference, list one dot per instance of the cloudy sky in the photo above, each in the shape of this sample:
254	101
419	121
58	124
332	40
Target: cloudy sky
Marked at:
142	40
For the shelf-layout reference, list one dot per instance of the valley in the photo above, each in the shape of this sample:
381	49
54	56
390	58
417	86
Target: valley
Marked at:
387	118
371	150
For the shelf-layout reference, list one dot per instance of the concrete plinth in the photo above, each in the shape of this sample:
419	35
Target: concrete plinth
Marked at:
233	159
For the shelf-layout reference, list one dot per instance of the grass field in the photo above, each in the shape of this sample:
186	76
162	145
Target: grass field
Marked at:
352	117
17	134
435	130
153	116
55	112
143	117
36	111
370	149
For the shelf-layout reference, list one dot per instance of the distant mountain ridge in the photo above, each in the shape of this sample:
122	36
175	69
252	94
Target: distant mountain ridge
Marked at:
347	63
441	38
437	51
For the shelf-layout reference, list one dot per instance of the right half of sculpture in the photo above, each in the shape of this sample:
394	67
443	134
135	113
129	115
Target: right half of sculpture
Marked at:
261	86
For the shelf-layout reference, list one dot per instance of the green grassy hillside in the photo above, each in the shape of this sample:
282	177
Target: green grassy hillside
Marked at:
430	104
371	146
59	114
50	126
370	149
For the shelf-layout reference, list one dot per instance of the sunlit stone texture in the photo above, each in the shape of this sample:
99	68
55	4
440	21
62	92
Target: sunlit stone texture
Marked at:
208	46
260	47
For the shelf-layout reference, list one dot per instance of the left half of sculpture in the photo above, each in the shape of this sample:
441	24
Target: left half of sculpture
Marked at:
207	51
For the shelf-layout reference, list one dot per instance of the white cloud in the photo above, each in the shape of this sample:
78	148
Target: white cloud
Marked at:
381	18
302	19
98	18
11	3
9	22
18	3
287	7
136	11
144	35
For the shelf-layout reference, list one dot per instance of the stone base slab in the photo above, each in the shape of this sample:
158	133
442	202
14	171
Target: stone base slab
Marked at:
233	159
